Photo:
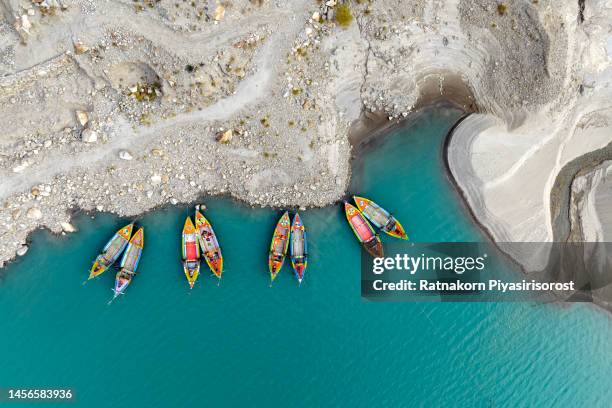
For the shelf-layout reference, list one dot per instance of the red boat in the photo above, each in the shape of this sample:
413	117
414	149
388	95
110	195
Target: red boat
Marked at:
363	231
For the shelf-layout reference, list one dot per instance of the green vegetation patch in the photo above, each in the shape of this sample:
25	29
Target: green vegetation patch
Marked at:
344	17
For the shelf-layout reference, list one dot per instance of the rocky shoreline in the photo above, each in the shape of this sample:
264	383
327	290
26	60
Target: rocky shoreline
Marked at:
127	108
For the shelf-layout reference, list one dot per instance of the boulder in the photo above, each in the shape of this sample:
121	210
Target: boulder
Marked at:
219	13
67	227
34	213
225	137
156	179
89	136
80	48
125	155
82	117
22	250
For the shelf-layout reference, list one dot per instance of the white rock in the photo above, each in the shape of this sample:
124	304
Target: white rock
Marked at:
89	136
67	227
22	250
219	13
34	213
82	117
125	155
23	24
173	201
156	179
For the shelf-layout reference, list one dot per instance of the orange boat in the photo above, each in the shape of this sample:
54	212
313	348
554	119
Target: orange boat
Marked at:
191	252
211	251
279	245
363	231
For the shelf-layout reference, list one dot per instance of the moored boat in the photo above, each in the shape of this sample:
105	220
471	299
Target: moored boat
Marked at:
278	247
129	263
191	252
211	251
380	217
111	252
363	231
299	247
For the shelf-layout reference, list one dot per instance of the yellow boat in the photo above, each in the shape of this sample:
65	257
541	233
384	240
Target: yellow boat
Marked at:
111	251
380	217
211	250
279	245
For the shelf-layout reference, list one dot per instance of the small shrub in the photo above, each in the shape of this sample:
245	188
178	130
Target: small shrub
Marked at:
343	15
502	9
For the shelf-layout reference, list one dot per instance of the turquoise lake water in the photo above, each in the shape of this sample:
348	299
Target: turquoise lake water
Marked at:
245	344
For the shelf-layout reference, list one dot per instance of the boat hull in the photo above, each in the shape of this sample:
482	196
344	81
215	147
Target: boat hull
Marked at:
210	248
129	263
363	231
299	247
279	245
191	252
111	252
192	272
122	281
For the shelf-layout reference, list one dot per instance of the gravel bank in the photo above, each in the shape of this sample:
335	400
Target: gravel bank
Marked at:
127	106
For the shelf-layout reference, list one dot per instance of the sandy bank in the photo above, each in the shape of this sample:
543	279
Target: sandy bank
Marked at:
507	164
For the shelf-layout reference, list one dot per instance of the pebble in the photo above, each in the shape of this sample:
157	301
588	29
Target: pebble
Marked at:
156	179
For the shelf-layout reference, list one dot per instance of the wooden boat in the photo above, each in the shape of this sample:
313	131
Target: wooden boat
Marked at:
380	217
211	251
191	252
299	247
278	247
129	263
111	252
363	231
